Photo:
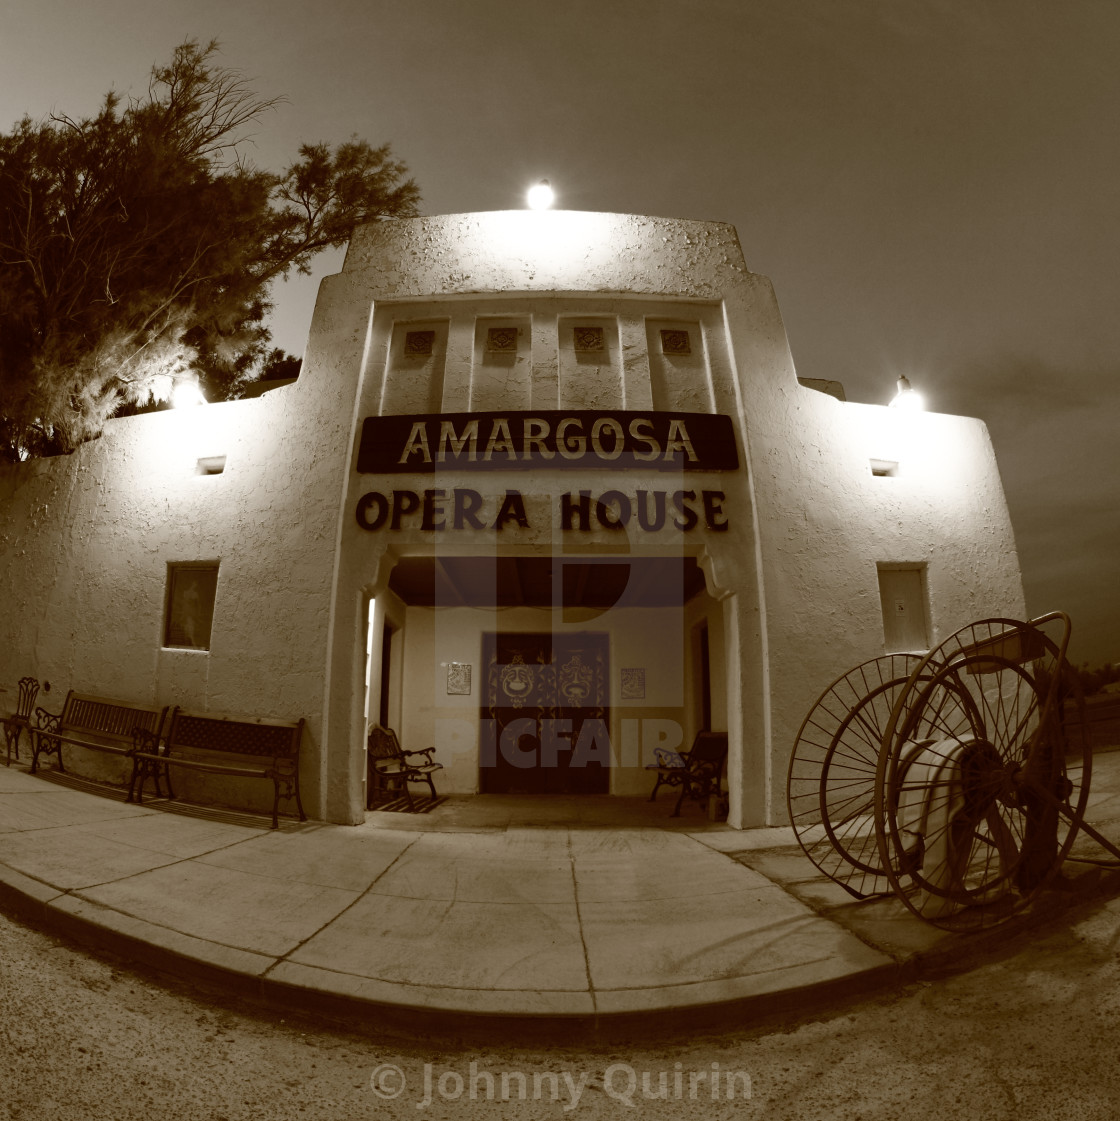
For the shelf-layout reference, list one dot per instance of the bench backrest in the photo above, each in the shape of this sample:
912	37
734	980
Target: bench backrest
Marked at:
235	736
383	743
93	717
709	750
28	691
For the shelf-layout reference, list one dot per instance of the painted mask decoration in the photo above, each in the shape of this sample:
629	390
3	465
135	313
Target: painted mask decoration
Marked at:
517	681
575	682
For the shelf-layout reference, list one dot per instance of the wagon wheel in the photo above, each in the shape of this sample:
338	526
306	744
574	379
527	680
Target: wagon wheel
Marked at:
830	787
975	775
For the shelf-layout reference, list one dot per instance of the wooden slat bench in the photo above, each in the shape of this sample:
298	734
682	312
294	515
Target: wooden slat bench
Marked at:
209	738
699	772
93	723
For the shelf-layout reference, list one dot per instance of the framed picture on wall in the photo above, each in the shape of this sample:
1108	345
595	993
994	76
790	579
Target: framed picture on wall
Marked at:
634	684
458	679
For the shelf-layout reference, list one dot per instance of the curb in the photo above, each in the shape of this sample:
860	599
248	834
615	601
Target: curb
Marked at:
244	974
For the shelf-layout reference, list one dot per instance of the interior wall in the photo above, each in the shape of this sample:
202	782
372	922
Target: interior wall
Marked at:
434	637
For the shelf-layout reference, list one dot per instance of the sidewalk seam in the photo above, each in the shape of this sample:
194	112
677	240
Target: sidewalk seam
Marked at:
334	918
579	927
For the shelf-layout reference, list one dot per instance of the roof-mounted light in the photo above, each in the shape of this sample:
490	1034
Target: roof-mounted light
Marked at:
907	397
541	196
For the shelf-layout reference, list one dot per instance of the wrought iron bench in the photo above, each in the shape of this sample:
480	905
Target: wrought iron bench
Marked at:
698	772
389	764
274	744
93	723
18	722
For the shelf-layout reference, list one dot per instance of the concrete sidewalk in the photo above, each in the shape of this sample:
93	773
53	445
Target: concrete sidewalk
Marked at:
468	913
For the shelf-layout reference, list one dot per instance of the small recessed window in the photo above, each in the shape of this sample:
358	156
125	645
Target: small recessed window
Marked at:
902	594
211	465
675	342
884	468
190	604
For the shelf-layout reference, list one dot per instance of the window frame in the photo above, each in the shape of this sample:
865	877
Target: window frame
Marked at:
173	623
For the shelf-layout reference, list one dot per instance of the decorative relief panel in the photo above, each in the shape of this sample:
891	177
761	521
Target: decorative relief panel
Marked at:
675	342
588	340
419	342
413	377
680	376
501	340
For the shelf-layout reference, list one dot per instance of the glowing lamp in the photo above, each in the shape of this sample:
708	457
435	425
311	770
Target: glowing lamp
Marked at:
187	393
907	397
541	196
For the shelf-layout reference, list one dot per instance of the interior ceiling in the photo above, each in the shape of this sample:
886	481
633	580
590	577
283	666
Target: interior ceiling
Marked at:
546	581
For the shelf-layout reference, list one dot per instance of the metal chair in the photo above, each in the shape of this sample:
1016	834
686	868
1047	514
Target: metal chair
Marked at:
698	772
389	765
18	721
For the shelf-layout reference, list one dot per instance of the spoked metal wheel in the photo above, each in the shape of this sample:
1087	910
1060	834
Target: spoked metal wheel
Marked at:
977	794
830	787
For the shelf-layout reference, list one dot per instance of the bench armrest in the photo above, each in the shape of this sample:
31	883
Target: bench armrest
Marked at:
146	742
44	721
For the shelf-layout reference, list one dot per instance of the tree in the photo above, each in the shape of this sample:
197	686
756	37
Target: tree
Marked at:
279	365
137	247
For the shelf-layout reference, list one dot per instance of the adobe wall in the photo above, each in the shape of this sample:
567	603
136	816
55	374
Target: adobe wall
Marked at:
87	538
797	566
793	565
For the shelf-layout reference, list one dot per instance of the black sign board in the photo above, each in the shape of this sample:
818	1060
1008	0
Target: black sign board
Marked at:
425	444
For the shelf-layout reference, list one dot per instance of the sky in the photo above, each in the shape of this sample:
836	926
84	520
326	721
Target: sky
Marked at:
931	185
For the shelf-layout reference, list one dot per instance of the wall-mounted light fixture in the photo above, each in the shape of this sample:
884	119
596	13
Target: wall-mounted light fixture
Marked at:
541	196
187	393
907	397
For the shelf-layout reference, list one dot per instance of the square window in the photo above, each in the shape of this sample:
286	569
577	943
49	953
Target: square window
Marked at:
419	342
501	340
210	465
190	605
902	594
588	340
675	342
884	468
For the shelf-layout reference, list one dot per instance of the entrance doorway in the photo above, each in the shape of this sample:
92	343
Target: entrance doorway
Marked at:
546	714
386	665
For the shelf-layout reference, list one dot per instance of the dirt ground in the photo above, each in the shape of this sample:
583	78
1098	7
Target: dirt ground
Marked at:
1031	1035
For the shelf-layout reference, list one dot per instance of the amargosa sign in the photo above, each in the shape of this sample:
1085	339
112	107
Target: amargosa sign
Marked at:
547	439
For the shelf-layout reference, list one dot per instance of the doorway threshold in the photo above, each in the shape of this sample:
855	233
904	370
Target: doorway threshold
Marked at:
484	812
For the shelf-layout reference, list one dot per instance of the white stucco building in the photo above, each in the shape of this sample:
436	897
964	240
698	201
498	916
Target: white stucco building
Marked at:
547	489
